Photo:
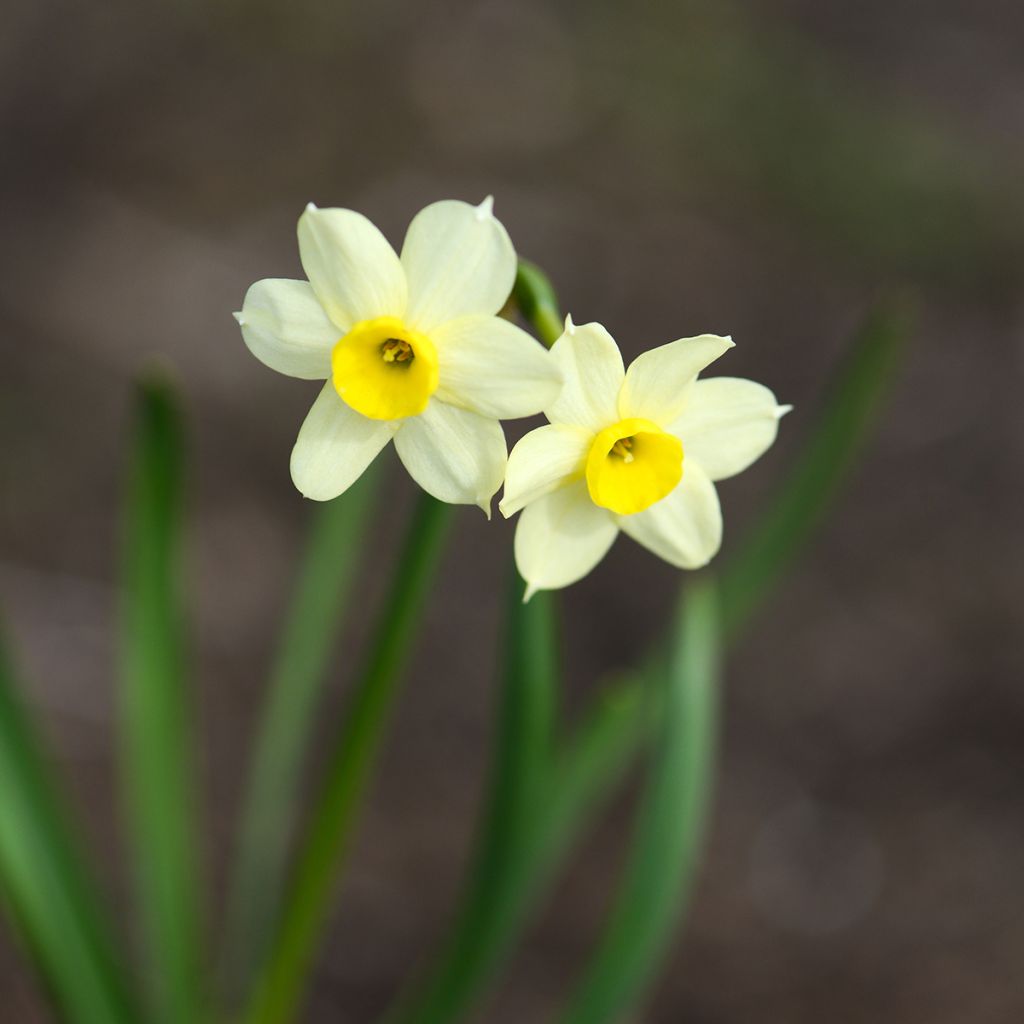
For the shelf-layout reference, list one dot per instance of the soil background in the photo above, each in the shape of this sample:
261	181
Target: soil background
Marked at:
763	169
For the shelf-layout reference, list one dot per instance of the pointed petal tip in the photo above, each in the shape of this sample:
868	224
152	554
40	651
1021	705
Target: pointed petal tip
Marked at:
311	207
570	327
239	318
529	592
485	210
727	338
484	504
781	410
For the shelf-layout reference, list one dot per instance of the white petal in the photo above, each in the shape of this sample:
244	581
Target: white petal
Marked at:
334	446
492	367
544	459
351	266
727	423
459	262
453	454
285	327
686	527
591	366
561	537
656	382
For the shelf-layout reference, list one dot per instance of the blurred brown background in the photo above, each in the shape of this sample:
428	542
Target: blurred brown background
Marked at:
759	169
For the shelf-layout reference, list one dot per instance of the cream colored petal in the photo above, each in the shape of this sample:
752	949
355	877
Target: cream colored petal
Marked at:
727	423
352	267
453	454
492	367
686	527
657	381
334	446
285	327
544	459
591	367
561	537
459	262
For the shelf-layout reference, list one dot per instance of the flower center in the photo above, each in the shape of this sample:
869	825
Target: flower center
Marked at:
632	464
384	370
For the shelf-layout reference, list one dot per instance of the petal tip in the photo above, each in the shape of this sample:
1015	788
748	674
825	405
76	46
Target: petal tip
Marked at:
484	504
240	318
485	211
531	589
781	410
570	327
311	207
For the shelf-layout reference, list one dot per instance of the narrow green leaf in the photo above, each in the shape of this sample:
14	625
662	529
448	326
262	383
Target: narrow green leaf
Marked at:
158	754
848	414
314	619
536	299
46	887
517	788
323	852
670	824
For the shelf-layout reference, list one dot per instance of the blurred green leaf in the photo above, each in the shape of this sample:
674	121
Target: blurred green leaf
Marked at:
516	790
670	823
314	619
158	754
324	849
848	413
536	299
49	892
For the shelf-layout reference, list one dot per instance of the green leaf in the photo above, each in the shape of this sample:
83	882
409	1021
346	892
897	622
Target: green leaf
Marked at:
517	787
314	619
848	413
158	754
536	299
323	852
47	889
670	824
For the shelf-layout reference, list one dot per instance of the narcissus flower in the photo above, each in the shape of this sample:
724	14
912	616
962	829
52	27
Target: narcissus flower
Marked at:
635	450
410	346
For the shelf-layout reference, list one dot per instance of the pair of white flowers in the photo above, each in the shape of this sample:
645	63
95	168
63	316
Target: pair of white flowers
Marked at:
412	350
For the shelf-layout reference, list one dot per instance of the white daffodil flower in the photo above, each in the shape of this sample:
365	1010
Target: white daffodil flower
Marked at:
410	346
634	450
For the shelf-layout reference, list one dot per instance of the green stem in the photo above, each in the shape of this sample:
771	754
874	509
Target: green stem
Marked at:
670	825
537	301
314	617
323	853
519	775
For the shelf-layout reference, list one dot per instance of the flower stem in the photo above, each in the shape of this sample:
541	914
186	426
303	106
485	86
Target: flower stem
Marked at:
314	618
520	775
537	301
323	853
670	825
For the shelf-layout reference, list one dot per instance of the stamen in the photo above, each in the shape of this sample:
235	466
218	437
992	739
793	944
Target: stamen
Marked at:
621	448
397	350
